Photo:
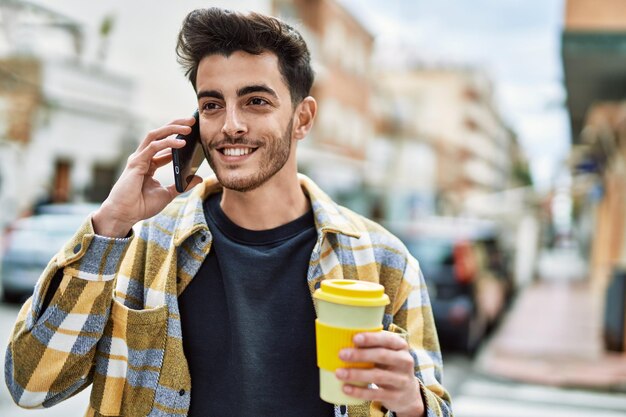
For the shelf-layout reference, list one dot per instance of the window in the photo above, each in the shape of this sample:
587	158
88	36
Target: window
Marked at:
103	180
61	186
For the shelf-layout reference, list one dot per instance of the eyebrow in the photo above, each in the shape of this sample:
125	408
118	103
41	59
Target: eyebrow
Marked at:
243	91
256	88
211	93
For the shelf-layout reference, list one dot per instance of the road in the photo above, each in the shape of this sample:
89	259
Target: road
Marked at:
476	395
473	395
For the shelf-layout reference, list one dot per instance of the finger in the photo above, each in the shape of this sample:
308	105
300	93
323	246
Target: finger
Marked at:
366	393
163	132
162	158
164	152
172	191
143	162
381	377
380	339
398	359
159	161
155	147
187	121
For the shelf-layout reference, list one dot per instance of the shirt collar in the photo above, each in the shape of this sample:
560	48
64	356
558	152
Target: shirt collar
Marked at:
328	216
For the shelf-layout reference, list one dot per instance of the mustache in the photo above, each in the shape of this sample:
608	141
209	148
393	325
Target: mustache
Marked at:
240	140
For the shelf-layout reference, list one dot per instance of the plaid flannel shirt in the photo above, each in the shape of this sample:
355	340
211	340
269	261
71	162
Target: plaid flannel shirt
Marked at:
114	321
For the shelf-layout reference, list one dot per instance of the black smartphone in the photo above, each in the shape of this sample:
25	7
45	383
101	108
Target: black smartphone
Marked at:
187	159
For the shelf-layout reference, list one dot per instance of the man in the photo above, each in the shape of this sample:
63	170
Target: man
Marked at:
207	311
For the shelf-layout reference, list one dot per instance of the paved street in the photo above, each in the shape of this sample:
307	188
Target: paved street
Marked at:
495	399
478	396
543	344
474	395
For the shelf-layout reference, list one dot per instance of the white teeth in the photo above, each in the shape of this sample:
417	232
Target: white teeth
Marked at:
236	151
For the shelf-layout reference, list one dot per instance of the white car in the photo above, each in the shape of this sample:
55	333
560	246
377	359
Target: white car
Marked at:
30	244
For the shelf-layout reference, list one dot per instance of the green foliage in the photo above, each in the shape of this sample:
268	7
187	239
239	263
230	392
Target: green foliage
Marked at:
521	174
107	25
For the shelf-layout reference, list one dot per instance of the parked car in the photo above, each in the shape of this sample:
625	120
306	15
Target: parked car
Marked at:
31	242
67	208
466	274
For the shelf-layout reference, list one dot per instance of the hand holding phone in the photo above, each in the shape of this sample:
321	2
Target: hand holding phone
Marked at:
137	195
188	159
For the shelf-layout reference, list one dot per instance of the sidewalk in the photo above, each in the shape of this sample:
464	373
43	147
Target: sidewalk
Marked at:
552	335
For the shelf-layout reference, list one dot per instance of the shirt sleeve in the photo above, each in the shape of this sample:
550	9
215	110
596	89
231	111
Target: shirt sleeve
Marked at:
50	353
416	317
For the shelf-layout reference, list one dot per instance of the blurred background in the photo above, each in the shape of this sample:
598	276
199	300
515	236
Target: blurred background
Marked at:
490	136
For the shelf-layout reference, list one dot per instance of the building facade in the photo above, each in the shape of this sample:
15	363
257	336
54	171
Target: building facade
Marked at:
594	61
65	126
451	111
335	152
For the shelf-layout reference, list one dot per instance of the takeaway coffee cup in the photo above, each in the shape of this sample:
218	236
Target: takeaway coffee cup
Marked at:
344	308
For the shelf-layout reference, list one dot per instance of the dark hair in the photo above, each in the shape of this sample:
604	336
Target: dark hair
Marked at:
217	31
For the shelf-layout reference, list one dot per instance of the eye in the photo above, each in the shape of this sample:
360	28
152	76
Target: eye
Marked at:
258	101
209	105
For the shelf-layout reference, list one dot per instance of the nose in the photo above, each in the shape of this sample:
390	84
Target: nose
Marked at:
234	124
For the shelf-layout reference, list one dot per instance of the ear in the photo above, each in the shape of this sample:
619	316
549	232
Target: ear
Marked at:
304	116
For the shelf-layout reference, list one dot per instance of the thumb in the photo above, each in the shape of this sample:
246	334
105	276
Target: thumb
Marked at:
194	181
173	192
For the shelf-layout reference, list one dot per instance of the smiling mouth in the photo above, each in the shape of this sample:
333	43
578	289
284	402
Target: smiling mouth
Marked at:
236	151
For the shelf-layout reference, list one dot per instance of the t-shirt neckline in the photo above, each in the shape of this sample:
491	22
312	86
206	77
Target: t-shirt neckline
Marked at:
239	234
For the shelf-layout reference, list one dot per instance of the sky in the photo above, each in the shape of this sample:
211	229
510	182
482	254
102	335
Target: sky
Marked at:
516	42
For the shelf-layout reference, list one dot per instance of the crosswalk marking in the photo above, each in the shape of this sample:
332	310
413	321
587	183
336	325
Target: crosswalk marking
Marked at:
547	395
464	406
479	397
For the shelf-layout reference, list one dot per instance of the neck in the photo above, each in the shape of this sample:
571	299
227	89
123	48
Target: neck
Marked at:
271	205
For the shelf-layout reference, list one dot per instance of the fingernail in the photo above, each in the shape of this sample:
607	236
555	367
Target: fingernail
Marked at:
341	373
345	354
359	338
347	389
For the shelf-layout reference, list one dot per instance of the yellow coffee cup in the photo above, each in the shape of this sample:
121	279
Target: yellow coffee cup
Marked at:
345	307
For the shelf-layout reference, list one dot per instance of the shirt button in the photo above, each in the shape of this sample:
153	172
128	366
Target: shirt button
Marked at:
181	392
77	248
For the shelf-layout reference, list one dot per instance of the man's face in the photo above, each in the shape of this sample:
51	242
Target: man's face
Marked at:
246	118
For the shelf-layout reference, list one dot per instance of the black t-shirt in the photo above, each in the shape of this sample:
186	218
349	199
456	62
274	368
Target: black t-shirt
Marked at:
249	324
